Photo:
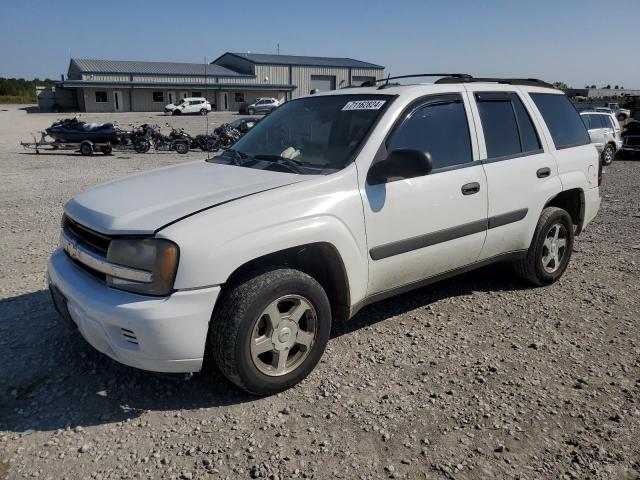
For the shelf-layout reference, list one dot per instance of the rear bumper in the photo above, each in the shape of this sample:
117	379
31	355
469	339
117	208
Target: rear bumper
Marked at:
166	334
591	205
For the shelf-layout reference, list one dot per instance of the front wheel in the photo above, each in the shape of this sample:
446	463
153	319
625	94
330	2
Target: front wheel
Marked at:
550	250
142	146
86	148
608	154
176	112
271	330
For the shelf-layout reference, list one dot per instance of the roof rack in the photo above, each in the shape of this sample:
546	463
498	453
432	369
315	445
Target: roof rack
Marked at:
372	83
531	82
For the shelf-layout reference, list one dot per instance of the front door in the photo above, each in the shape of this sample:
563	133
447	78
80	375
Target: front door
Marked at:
117	101
172	97
223	104
421	227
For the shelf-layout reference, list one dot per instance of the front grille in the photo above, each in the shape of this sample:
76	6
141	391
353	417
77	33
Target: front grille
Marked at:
86	237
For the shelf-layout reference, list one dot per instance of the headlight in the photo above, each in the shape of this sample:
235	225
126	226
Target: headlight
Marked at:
154	255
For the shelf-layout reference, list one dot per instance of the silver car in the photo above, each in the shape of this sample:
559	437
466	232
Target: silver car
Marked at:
604	131
263	105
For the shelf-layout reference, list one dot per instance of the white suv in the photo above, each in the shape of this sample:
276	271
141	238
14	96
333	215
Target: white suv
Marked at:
605	133
332	202
188	105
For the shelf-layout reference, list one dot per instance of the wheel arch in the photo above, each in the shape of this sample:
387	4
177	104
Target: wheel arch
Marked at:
572	201
320	260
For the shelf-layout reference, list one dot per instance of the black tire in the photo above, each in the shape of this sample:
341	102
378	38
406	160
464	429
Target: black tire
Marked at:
203	111
106	150
86	149
531	267
241	308
608	154
176	112
142	146
621	117
251	111
181	147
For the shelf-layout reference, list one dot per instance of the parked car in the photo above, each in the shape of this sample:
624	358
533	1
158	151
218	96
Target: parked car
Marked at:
620	113
630	140
188	105
332	202
244	124
604	131
261	105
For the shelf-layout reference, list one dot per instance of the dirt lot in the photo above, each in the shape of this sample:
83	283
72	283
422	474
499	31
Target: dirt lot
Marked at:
475	377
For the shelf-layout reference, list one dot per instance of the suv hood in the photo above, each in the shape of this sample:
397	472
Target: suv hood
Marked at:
145	202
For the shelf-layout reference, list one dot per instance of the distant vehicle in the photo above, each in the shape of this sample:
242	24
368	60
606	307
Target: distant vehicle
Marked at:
631	139
621	113
244	124
261	105
198	105
632	102
604	131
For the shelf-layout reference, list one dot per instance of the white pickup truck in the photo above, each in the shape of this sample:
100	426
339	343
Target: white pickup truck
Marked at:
332	202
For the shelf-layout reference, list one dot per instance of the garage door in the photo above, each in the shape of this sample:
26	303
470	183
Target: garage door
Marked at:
357	81
323	83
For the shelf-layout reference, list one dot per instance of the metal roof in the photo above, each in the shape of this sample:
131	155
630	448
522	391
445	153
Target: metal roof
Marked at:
86	65
300	60
171	85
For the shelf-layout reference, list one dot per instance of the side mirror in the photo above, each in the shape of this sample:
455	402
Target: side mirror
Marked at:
401	164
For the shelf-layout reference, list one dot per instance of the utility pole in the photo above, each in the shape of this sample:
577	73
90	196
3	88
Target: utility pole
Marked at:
278	49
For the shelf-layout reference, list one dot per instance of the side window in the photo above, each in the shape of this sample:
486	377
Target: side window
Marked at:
508	129
528	136
562	119
101	97
609	122
438	127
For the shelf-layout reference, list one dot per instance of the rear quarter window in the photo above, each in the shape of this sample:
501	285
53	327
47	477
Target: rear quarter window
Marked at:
562	119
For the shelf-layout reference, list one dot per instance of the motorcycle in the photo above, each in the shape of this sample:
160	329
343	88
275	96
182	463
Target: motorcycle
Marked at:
227	135
206	143
152	136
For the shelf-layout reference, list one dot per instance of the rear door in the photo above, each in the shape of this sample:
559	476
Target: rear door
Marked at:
421	227
521	175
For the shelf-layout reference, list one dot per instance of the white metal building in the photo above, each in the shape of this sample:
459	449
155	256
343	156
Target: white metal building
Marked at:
228	81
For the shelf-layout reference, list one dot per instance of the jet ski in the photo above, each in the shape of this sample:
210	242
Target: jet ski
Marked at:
74	130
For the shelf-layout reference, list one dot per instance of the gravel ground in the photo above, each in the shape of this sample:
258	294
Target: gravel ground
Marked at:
474	377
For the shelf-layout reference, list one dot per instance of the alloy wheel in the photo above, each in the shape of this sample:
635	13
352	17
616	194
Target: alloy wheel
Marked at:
283	335
554	247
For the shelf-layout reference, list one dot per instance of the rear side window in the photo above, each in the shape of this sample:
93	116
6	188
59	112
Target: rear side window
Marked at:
586	120
562	119
508	130
438	127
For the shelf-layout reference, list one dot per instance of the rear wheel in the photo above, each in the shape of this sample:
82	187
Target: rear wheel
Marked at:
550	250
251	111
86	148
203	111
271	330
608	154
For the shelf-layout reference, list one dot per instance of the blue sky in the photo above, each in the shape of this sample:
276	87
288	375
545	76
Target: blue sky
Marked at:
579	42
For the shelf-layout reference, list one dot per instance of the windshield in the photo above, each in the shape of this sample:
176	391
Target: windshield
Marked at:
319	134
180	102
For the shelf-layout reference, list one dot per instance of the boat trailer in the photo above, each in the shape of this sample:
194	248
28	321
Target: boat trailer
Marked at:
85	147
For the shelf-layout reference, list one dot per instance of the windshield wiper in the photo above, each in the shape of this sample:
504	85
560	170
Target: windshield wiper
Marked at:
238	156
290	163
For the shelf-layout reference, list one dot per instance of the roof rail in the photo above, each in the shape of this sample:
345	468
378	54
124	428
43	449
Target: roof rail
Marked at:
531	82
372	83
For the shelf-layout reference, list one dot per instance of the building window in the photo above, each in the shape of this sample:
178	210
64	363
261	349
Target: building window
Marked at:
239	97
196	94
158	97
101	97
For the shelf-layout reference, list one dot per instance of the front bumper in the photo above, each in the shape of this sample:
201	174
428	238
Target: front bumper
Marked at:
164	334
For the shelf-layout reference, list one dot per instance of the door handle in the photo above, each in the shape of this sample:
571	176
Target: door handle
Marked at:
470	188
543	172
